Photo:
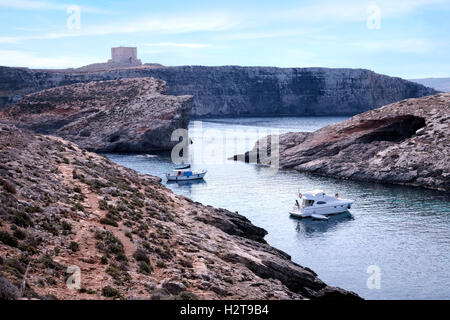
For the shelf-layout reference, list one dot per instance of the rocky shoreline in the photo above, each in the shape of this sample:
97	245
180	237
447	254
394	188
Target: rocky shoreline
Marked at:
126	115
131	238
404	143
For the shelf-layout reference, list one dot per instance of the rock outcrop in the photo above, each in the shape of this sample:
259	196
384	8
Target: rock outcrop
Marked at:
127	115
240	91
66	212
405	143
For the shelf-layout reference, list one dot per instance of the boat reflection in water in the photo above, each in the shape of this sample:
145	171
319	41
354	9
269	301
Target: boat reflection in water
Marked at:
310	227
187	185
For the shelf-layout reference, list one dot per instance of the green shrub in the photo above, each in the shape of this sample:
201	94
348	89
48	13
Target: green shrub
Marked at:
103	204
8	239
47	262
229	280
186	263
31	209
14	267
111	292
22	219
109	221
119	275
78	207
145	268
66	226
141	255
73	246
186	295
104	259
28	248
121	257
19	234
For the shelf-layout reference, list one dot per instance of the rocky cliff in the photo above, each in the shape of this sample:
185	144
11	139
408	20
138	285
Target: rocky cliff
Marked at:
406	143
239	91
66	212
124	115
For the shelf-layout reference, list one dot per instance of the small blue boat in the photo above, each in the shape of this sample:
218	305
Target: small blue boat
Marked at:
185	174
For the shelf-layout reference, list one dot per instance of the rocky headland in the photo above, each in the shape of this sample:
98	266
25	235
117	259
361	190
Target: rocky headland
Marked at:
125	115
237	91
406	143
440	84
125	234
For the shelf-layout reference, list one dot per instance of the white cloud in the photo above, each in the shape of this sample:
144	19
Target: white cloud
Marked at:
31	5
45	6
397	45
14	58
177	45
174	24
352	10
304	33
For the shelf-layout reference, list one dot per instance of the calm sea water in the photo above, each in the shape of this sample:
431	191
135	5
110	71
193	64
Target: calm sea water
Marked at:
404	232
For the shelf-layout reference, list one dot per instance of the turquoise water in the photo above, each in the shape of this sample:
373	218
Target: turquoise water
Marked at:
403	231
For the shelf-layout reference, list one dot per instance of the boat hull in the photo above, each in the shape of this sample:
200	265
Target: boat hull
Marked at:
325	210
185	178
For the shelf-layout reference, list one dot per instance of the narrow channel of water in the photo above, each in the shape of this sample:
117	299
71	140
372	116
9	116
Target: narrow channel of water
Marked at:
403	231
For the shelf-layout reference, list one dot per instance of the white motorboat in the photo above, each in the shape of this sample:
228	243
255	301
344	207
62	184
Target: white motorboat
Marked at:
185	174
316	204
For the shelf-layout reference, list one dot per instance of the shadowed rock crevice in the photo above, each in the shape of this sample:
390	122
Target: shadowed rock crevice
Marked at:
394	129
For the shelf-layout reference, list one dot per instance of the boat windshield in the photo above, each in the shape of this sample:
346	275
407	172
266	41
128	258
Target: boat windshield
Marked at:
308	203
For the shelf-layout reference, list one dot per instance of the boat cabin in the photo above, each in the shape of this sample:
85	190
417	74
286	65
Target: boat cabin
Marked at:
181	172
315	197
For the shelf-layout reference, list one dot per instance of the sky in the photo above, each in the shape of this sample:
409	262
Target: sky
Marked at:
404	38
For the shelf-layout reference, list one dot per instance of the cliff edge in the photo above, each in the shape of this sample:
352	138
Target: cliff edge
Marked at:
227	91
126	115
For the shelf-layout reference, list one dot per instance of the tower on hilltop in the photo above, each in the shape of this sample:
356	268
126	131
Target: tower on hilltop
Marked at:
124	56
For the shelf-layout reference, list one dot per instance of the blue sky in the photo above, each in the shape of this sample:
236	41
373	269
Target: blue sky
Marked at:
405	38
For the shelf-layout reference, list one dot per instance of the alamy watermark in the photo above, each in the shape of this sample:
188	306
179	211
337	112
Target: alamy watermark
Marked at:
73	21
218	147
373	21
374	280
73	281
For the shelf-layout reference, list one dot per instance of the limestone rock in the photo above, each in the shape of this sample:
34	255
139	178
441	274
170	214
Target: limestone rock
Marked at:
234	90
7	290
405	143
128	115
174	287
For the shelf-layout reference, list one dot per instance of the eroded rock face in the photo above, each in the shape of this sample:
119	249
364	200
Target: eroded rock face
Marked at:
130	236
406	143
240	91
127	115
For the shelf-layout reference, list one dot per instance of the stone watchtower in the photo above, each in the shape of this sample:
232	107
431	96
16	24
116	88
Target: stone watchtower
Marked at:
124	57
